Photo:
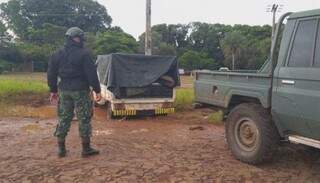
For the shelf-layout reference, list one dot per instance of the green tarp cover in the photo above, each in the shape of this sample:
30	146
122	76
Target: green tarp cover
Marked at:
134	71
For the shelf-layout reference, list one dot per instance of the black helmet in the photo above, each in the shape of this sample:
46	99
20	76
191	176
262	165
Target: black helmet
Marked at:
75	32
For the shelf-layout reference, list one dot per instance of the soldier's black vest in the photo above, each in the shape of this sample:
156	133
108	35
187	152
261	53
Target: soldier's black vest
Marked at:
71	71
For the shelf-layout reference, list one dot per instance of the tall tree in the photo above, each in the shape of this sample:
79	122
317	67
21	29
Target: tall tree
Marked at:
175	36
231	44
205	38
4	35
11	12
114	42
48	34
165	49
192	60
86	14
178	35
159	47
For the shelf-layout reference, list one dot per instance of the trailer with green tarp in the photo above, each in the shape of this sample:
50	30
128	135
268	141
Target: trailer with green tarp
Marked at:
138	84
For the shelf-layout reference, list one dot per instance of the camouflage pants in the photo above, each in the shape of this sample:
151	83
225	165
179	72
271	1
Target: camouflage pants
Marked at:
81	103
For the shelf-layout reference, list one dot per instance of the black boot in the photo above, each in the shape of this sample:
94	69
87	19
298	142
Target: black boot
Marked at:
62	148
87	150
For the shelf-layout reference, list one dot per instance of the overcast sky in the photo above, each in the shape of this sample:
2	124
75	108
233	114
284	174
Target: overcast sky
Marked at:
130	14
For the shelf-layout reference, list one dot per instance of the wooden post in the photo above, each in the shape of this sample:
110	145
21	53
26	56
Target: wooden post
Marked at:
148	34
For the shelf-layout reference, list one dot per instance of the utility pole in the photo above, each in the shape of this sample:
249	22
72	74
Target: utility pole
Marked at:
148	34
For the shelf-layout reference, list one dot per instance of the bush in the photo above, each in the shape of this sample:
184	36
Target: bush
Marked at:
193	60
216	117
5	66
114	42
184	99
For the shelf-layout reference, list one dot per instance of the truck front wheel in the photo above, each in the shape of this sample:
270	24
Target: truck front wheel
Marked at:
251	134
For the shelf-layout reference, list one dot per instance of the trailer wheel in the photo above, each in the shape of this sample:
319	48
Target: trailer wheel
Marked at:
251	134
110	115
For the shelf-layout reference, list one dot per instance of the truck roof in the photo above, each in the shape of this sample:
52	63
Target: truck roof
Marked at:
304	14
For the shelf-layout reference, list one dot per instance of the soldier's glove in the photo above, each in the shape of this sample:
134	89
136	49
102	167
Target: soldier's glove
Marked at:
98	97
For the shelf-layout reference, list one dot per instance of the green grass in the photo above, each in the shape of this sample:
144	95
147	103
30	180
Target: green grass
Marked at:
21	88
41	77
216	117
184	98
14	88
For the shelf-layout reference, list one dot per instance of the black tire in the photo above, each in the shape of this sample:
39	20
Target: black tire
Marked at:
251	134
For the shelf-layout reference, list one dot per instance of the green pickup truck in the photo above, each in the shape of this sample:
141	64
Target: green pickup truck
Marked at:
280	102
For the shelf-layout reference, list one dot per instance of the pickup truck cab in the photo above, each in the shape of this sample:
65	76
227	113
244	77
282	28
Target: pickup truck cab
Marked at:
281	101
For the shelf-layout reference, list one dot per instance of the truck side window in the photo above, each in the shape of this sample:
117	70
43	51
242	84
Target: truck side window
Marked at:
303	44
317	52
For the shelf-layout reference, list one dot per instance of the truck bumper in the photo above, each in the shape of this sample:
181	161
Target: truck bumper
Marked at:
131	112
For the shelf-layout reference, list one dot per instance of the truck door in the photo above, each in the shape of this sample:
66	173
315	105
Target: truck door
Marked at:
296	96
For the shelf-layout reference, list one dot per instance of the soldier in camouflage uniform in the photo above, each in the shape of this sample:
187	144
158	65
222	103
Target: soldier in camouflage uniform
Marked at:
71	73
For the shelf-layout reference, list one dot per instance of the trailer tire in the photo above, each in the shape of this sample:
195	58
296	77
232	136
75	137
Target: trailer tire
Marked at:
251	134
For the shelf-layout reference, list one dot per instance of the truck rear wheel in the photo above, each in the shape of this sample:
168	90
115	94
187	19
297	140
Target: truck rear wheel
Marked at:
251	134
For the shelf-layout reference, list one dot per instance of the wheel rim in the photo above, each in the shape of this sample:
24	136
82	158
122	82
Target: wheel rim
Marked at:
247	134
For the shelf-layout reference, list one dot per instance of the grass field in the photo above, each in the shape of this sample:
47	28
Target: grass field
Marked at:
30	89
16	88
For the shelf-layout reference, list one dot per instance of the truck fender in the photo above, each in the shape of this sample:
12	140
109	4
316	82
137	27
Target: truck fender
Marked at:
250	94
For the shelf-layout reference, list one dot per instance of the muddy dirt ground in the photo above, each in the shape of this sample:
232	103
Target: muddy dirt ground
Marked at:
162	149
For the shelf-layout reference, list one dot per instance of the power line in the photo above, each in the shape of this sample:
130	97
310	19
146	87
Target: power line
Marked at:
59	14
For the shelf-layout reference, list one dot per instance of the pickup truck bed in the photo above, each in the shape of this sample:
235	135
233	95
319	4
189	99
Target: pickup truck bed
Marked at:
221	88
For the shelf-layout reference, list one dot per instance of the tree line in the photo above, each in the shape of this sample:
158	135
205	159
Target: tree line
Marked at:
30	30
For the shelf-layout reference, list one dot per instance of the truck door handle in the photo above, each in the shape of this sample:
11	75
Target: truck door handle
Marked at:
288	82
